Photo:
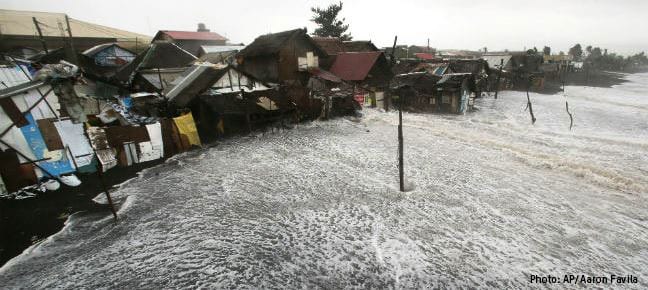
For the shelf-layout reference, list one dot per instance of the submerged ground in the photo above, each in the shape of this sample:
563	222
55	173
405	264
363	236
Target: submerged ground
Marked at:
493	200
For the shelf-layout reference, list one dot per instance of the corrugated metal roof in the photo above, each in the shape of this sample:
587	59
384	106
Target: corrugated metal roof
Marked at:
13	22
331	45
193	35
12	76
220	48
495	60
325	75
354	66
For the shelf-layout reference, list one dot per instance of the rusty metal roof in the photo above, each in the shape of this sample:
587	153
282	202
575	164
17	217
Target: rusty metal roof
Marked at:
354	66
326	75
193	35
331	45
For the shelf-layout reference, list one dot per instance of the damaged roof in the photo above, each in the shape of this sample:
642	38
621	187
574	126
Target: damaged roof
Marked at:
158	55
354	66
270	44
191	35
331	45
98	48
359	46
495	60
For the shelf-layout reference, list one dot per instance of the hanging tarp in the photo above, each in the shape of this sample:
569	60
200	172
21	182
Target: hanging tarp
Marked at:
187	127
58	163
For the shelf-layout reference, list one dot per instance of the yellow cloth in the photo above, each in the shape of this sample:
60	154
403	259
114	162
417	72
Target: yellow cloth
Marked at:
186	126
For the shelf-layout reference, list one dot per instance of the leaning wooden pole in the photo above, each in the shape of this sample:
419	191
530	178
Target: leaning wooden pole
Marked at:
73	57
40	35
533	119
100	175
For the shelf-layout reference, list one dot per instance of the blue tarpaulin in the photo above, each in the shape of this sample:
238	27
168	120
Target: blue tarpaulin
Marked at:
37	144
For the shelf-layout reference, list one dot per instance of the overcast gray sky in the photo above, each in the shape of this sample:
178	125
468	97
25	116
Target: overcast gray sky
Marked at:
619	25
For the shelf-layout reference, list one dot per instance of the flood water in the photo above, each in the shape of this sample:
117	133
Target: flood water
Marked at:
492	200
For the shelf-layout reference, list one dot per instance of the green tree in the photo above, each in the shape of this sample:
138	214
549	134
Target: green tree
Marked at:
546	50
328	22
576	51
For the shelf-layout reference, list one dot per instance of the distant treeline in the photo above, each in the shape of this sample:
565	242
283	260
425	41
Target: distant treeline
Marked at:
599	58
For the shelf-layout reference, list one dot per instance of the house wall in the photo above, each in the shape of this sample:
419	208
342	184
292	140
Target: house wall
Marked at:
288	58
264	68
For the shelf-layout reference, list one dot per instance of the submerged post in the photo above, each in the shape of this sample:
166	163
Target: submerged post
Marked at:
499	76
401	171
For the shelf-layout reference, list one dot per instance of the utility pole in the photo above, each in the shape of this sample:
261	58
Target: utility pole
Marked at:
499	76
40	35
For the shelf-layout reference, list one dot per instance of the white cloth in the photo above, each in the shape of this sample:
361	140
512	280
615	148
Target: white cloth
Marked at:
73	136
155	133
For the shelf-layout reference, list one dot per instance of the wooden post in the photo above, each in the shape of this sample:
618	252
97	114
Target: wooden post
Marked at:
533	119
499	77
74	56
103	185
160	79
401	170
40	35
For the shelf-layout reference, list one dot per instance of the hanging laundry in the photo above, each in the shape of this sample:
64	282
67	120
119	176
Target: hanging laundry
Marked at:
73	136
59	164
187	127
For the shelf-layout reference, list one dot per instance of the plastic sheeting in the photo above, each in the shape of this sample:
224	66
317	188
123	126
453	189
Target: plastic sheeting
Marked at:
59	163
74	137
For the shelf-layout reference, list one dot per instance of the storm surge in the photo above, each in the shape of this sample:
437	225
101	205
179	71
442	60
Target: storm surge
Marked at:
494	200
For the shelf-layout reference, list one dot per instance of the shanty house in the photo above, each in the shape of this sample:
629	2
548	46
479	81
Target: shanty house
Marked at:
191	41
333	46
369	71
283	57
426	91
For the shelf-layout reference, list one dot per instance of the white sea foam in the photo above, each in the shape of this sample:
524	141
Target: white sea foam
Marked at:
495	200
